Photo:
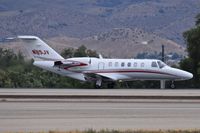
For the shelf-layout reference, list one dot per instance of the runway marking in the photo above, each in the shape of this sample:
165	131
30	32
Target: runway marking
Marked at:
98	101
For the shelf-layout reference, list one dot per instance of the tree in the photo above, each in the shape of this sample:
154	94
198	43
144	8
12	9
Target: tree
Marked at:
15	71
192	38
81	51
68	53
198	20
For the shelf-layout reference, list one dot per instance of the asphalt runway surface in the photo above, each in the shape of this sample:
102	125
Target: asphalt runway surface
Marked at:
70	114
107	92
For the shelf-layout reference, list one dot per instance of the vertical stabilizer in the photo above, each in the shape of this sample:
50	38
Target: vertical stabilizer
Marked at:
38	49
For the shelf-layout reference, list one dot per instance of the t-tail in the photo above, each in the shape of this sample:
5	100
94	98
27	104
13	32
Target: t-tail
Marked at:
38	49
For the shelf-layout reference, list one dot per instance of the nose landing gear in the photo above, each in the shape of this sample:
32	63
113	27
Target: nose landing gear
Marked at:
172	85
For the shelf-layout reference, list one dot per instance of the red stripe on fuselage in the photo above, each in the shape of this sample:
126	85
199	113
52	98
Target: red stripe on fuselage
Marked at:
123	71
130	71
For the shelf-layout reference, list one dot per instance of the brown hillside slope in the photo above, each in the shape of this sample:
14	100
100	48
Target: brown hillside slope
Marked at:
119	43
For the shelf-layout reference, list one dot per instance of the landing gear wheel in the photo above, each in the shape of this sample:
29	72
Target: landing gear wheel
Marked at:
172	85
98	84
111	85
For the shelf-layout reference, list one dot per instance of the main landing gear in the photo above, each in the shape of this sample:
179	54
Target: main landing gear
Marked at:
111	85
98	84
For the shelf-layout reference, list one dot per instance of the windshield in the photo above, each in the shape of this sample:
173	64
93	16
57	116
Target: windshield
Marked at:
161	64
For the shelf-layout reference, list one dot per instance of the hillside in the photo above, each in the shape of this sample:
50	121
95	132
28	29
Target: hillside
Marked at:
119	42
84	18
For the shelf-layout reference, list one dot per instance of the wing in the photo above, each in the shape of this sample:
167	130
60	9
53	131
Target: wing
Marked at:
105	76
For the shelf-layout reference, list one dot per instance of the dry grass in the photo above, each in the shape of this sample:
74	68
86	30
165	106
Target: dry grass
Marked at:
123	131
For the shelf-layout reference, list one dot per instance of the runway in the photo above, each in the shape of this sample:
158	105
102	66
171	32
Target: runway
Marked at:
85	114
92	93
70	114
54	91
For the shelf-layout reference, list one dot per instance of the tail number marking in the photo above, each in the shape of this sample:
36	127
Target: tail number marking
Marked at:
40	52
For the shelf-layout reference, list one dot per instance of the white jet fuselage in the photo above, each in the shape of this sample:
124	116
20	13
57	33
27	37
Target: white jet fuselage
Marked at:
87	68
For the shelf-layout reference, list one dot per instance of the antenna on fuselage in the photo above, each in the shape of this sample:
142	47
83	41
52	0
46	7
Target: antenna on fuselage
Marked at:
100	56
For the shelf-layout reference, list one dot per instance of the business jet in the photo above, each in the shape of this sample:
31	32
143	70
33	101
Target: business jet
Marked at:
99	70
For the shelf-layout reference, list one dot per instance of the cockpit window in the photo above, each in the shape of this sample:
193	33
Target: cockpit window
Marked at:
154	64
161	64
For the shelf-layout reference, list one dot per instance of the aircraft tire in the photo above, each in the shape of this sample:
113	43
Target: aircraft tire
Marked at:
97	87
172	85
111	85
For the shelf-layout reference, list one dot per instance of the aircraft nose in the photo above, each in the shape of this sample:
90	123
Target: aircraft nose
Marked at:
183	75
187	75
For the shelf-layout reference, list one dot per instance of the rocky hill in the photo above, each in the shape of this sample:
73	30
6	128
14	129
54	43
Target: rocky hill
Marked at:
119	42
117	28
83	18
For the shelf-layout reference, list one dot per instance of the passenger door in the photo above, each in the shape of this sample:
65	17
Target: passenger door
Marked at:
101	65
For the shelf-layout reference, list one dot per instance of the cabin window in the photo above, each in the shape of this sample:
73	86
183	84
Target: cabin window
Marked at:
154	64
161	64
122	64
129	64
116	64
142	64
110	64
135	64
